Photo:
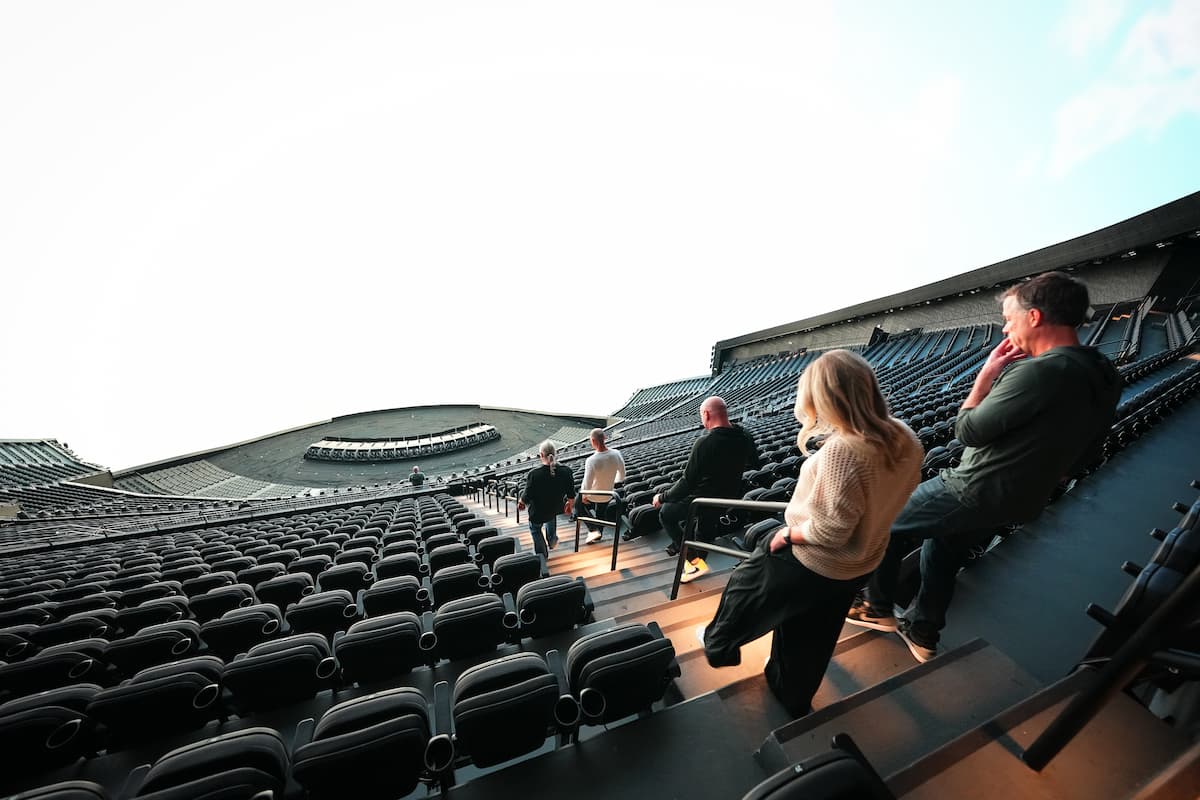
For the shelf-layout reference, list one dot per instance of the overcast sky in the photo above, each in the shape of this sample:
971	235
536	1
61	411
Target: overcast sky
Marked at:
222	219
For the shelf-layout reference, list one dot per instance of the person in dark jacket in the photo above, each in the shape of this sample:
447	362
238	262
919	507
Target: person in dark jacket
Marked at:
1039	411
416	478
714	469
549	490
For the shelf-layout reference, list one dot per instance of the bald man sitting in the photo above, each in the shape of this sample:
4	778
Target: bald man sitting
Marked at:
714	469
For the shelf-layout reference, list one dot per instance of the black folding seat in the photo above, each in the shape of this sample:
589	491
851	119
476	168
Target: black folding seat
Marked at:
13	602
619	672
353	577
177	696
234	565
49	729
516	570
153	645
152	612
504	708
844	772
465	527
476	535
550	605
239	629
310	565
215	602
15	644
400	593
323	549
284	557
382	647
56	596
778	494
255	575
50	669
382	742
151	591
232	766
400	564
433	529
184	572
285	590
259	549
471	626
279	672
447	555
323	612
207	582
84	625
27	615
440	540
456	581
363	541
493	547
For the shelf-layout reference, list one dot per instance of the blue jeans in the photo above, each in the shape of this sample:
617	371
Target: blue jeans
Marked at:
539	541
946	530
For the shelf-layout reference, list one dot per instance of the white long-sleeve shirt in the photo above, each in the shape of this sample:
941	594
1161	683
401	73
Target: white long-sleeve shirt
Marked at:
602	471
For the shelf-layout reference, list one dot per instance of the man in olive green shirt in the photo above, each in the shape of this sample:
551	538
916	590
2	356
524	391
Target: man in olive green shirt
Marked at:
1039	411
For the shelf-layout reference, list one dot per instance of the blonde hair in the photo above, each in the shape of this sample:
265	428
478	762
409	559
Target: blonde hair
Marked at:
550	452
838	392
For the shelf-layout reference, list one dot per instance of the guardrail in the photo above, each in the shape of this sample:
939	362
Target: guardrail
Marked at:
709	547
619	505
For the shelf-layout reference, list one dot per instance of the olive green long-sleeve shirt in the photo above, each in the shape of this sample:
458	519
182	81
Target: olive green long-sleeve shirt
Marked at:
1042	420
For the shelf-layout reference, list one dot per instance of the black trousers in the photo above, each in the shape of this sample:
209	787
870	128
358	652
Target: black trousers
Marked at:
606	511
773	592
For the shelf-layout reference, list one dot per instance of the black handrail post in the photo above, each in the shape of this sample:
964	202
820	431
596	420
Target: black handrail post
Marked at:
619	505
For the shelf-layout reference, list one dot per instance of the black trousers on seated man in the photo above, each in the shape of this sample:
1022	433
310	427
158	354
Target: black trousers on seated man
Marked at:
606	511
673	518
774	593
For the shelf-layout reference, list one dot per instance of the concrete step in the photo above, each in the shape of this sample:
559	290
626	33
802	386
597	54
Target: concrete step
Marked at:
1122	752
908	715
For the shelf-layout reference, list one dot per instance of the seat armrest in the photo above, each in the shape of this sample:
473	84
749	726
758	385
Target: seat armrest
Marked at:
304	733
443	716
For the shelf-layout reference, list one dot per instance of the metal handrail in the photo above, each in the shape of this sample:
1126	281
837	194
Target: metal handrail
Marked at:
620	505
708	547
1125	664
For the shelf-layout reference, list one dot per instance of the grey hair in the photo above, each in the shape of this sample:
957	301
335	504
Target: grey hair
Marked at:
548	450
598	435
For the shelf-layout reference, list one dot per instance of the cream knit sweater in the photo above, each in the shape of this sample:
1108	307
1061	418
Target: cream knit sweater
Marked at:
845	501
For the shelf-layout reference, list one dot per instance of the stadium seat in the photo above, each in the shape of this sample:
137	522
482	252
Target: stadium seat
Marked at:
380	743
233	765
504	708
620	671
381	647
554	604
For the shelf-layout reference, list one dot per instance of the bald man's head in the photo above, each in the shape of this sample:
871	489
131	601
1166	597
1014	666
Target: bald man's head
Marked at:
714	414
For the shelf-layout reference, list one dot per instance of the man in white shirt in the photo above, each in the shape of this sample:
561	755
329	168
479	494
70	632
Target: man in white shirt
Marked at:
601	471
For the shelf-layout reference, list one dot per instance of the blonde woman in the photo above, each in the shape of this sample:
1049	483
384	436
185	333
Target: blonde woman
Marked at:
804	577
549	490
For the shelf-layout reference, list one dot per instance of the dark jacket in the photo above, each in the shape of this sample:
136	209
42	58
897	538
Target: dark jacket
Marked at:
715	465
545	494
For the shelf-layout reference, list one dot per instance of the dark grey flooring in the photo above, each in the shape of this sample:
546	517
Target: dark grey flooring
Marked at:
1027	597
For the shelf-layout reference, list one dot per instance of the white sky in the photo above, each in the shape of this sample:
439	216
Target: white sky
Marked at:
222	219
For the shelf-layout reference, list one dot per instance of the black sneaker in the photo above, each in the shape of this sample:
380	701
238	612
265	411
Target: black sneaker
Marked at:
628	536
921	651
672	549
864	616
